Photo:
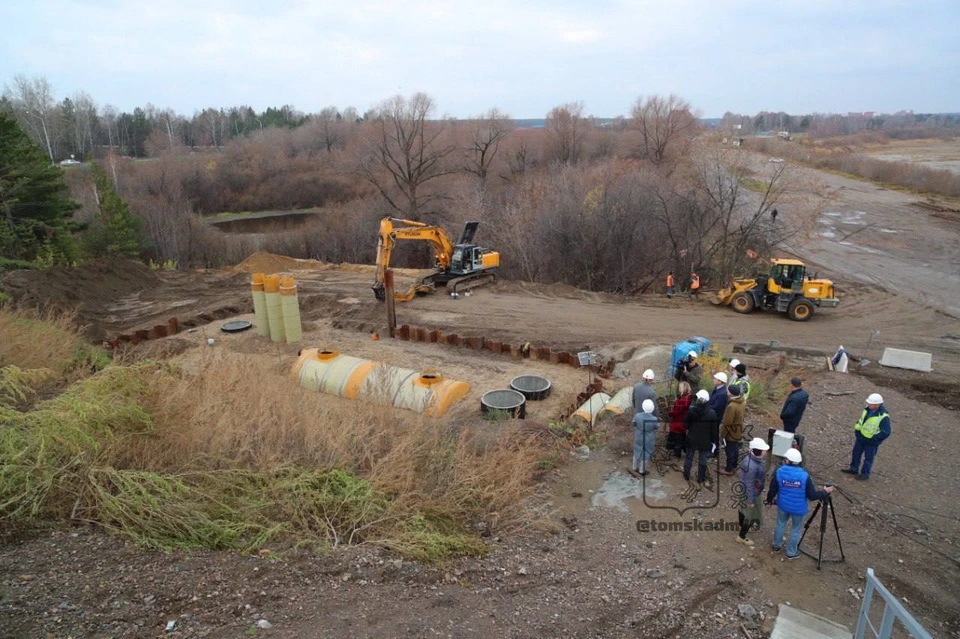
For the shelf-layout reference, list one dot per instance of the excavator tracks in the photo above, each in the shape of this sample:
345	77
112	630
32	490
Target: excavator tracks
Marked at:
467	282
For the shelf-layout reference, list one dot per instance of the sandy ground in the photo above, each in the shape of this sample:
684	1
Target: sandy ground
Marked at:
586	572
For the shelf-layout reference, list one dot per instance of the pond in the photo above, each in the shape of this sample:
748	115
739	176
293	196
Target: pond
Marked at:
269	222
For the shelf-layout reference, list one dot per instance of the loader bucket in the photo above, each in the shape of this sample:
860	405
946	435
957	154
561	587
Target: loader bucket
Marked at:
723	297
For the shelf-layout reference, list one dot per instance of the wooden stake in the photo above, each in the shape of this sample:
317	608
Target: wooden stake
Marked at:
391	307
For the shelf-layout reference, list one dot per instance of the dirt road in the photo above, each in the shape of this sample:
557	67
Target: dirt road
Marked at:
878	237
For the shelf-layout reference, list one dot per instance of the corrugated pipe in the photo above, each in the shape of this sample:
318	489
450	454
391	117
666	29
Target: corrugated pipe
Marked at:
290	307
619	404
329	371
590	409
271	291
260	305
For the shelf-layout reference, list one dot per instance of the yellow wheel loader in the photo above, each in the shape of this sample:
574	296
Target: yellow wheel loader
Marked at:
787	289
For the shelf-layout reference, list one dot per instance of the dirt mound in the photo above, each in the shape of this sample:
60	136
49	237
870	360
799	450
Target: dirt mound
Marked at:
93	285
268	263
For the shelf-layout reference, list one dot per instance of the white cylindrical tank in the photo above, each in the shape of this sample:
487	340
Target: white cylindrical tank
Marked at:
329	371
290	309
259	305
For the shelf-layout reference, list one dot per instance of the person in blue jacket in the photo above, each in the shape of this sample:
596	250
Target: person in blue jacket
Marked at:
793	407
718	402
871	430
646	426
792	487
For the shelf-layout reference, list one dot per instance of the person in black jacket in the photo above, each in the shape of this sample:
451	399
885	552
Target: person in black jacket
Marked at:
702	426
793	408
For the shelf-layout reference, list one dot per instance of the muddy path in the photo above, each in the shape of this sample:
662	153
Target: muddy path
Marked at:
868	234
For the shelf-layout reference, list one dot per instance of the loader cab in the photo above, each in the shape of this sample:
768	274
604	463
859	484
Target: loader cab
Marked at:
786	275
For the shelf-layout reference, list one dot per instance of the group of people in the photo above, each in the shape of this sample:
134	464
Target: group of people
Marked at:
704	422
694	285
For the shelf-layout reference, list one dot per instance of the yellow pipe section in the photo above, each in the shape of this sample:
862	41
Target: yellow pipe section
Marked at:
259	305
618	404
271	291
329	371
290	309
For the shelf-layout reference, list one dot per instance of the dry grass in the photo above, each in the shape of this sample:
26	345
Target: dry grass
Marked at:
227	416
34	339
839	156
230	453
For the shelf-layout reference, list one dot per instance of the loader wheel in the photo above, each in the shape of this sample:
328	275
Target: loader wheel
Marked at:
742	302
800	310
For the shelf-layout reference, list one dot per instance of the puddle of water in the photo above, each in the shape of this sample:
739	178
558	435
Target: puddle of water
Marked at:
888	230
833	214
828	234
620	486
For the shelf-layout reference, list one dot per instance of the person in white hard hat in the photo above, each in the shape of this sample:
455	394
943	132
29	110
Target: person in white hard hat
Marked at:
702	426
644	390
645	425
871	430
718	401
688	370
749	489
792	488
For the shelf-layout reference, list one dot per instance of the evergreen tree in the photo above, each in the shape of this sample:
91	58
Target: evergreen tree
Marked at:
119	232
34	201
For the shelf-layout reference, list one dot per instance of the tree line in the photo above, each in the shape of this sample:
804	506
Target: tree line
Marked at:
610	205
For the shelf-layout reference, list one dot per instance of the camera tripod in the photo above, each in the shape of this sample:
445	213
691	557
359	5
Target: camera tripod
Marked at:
822	507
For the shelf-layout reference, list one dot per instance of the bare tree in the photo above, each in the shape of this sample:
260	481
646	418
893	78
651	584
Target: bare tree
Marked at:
170	122
489	130
34	105
568	129
330	128
664	124
85	118
407	154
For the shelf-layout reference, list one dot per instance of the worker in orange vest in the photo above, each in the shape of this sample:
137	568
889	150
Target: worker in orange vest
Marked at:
670	284
695	285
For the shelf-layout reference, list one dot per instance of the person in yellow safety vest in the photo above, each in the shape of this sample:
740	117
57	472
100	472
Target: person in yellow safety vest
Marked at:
870	431
695	285
670	284
740	378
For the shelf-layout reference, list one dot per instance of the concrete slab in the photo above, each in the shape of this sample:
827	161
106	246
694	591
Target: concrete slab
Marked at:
793	623
911	360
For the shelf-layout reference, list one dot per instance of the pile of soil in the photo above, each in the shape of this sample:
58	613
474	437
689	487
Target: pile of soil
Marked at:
269	263
91	286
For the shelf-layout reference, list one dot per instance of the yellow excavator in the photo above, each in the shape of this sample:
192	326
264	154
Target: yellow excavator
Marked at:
787	289
459	266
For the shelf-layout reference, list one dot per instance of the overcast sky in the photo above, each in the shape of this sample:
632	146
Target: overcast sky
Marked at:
525	57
